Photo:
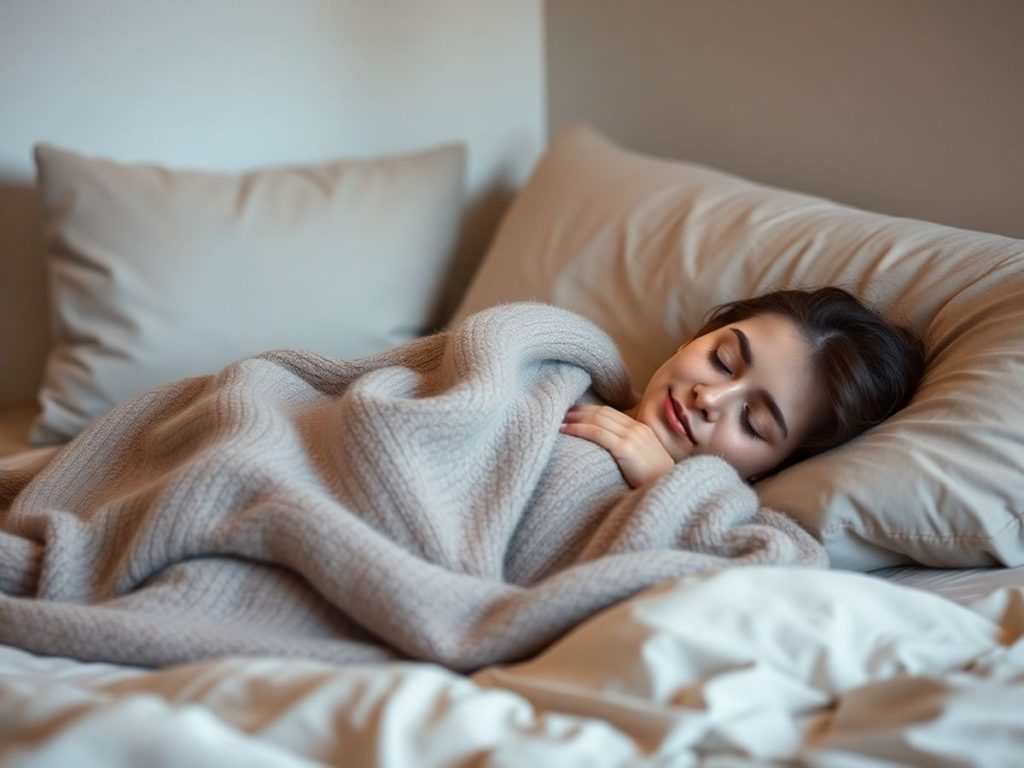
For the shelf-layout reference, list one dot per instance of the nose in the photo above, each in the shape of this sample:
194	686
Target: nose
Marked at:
712	399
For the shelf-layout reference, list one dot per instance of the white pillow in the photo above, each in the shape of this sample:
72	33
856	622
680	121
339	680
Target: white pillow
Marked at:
645	247
159	274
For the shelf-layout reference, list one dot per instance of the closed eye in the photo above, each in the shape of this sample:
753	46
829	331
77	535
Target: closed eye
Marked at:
717	363
748	427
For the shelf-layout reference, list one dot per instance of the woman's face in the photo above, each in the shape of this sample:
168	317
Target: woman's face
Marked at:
744	392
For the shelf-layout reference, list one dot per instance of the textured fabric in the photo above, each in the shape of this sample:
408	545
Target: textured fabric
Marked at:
420	503
157	274
742	668
646	246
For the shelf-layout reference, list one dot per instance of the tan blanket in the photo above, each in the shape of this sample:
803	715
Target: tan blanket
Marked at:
420	504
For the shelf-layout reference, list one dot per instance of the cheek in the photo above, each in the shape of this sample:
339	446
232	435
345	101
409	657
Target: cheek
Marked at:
668	375
673	365
746	455
728	445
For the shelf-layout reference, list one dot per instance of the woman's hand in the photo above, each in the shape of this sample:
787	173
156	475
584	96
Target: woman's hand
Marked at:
634	446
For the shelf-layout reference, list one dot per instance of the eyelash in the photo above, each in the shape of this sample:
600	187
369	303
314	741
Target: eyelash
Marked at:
717	364
748	427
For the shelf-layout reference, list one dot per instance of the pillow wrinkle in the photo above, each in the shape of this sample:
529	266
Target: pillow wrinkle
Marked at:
159	274
645	247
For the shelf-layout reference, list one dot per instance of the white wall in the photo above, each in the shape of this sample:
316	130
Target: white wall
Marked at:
909	107
235	84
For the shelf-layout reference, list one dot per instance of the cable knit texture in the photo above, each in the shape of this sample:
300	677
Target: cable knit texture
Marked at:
419	503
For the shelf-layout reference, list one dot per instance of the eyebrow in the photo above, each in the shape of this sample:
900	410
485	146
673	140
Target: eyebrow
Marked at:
773	407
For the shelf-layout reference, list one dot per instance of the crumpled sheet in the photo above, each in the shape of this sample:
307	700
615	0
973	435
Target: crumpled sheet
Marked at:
751	666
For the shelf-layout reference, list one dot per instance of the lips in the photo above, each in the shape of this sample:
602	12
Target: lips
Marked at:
677	418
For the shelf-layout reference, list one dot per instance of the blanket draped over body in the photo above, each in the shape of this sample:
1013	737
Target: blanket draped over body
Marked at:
420	503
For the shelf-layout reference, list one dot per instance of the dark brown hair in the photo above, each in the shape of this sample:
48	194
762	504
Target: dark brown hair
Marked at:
867	366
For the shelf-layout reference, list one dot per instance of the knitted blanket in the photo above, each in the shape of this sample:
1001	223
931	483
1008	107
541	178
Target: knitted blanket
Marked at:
420	503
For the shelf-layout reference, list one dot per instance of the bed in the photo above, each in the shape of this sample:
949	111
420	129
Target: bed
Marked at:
907	650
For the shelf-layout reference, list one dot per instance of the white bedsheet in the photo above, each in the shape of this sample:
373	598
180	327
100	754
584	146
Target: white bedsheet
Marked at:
748	666
964	586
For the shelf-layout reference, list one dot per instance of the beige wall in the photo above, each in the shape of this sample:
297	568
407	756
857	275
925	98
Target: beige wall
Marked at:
910	107
906	106
232	84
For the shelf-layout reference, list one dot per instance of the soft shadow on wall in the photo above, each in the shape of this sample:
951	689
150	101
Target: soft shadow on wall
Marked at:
478	228
24	325
910	108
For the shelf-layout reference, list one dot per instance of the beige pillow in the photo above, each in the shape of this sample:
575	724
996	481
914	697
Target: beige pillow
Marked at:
645	247
158	274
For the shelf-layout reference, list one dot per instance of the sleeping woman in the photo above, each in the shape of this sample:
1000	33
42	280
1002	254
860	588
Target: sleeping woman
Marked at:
422	503
766	382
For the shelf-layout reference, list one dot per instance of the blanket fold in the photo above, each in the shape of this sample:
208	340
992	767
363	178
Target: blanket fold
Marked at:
419	503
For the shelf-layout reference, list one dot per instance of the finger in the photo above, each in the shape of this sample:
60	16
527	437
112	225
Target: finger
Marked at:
592	432
619	442
618	433
600	414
